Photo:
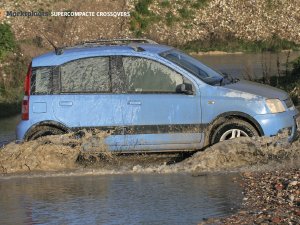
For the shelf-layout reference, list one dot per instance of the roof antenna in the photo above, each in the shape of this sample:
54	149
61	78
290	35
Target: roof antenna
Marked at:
58	50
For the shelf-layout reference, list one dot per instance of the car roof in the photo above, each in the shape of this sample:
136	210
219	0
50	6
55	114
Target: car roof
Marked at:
77	52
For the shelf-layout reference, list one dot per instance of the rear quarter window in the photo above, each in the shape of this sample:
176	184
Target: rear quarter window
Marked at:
41	80
89	75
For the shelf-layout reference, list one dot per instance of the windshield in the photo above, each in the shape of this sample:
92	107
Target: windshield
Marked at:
195	67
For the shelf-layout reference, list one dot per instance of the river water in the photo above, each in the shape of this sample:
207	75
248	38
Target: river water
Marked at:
117	199
252	65
7	129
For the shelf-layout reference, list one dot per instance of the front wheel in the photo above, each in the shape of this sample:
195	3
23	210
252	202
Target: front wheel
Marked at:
233	128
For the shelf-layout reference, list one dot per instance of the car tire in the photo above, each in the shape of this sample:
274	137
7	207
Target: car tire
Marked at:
43	131
233	128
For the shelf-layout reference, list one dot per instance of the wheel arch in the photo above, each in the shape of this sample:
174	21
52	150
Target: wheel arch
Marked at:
49	123
232	114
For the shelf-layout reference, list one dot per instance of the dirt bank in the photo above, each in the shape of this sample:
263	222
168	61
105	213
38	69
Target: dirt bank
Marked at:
269	198
173	22
52	153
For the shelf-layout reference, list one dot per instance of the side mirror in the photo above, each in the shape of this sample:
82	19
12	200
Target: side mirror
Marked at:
185	89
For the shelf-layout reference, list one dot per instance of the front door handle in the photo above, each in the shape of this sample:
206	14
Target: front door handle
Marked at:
65	103
134	102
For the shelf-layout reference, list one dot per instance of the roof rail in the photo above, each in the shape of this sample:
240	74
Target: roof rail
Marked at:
131	42
118	41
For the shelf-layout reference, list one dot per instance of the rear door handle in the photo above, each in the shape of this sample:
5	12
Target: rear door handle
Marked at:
134	102
65	103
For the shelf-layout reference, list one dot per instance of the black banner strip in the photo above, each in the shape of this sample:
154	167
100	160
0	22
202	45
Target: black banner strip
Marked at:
149	129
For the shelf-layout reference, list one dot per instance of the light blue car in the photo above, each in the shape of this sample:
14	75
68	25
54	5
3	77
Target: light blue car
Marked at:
154	98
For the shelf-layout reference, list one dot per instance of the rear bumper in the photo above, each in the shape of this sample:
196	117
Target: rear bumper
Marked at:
272	124
21	129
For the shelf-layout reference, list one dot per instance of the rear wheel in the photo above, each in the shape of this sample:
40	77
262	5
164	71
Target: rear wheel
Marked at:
233	128
42	131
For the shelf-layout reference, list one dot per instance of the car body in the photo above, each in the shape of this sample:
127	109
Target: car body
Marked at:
153	97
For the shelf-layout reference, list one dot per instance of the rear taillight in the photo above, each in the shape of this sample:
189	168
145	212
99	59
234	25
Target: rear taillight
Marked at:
25	108
25	102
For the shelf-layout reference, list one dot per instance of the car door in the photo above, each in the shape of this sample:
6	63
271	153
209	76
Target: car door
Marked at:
88	98
157	117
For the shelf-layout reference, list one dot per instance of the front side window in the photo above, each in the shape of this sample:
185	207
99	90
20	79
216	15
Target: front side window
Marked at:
89	75
147	76
193	66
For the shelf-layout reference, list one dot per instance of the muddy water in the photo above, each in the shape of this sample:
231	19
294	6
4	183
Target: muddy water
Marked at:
253	65
7	129
117	199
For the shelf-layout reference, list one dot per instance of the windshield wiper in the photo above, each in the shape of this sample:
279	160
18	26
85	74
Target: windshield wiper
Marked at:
230	78
223	78
235	80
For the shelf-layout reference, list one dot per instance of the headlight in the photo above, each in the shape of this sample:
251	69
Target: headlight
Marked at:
275	105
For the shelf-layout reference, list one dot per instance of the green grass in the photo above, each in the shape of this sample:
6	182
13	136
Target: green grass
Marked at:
165	3
7	40
12	73
186	13
142	7
171	18
199	4
142	17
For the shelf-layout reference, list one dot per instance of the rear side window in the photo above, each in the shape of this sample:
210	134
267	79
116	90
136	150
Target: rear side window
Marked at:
148	76
42	80
89	75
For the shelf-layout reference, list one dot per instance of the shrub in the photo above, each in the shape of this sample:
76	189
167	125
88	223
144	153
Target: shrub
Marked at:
7	40
199	4
165	3
141	7
170	18
142	17
186	13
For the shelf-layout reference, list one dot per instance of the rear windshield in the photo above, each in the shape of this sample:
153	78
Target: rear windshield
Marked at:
193	66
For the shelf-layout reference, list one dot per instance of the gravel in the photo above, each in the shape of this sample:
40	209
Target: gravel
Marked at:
271	197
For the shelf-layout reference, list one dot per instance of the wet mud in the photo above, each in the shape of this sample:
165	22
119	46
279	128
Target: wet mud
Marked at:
79	153
50	153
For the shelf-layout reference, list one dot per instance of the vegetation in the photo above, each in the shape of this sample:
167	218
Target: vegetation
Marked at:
199	4
142	17
285	80
165	3
13	65
186	13
171	18
7	40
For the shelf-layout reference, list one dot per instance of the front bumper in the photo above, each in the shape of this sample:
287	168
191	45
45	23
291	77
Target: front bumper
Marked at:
272	124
